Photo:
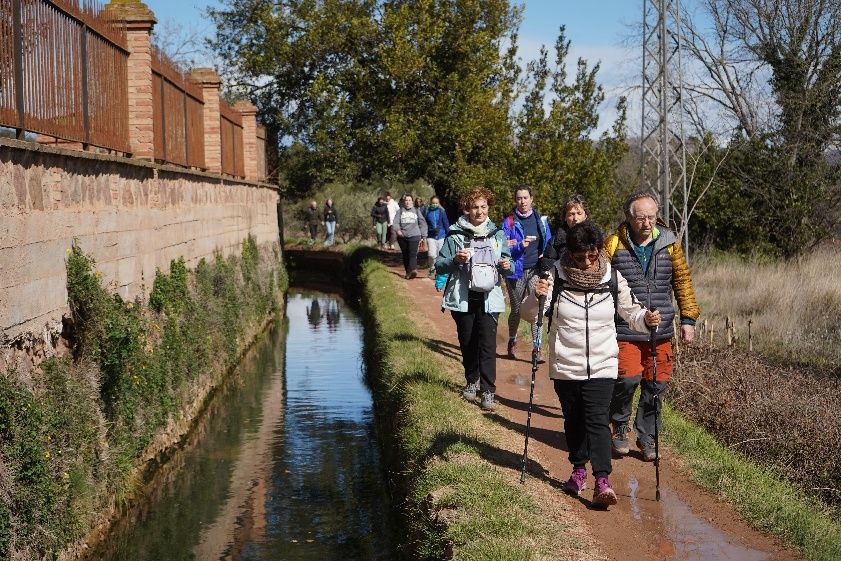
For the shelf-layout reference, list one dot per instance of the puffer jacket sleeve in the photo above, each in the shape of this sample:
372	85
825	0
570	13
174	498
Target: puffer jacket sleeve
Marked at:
628	307
682	285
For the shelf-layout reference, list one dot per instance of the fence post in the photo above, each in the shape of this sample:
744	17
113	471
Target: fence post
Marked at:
750	336
249	138
209	82
139	21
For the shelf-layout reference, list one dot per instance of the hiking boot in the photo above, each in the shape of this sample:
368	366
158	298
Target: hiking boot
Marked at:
431	273
537	356
412	274
470	390
577	482
512	348
649	454
620	443
488	403
603	494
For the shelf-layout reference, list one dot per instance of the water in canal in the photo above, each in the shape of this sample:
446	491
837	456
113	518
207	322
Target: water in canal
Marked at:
283	466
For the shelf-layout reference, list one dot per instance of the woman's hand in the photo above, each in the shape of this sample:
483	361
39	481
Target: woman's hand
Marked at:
512	243
542	287
462	256
526	241
505	263
652	319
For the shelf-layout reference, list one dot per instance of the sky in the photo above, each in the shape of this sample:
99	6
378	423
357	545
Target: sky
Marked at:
597	29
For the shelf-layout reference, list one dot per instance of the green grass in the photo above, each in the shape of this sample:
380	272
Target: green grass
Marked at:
760	495
446	452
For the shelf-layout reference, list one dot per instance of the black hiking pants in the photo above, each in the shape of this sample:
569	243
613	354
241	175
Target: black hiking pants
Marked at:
477	340
409	249
585	406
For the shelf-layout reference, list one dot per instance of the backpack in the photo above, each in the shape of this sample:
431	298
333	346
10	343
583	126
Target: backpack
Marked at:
481	270
558	286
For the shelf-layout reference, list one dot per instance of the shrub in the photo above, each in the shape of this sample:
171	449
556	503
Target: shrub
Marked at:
73	437
781	417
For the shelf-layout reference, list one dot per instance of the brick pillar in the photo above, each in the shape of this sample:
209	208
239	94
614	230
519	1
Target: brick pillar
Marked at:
249	138
139	21
209	82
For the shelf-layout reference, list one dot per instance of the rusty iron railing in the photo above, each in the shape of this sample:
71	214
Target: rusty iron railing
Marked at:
177	108
63	72
230	122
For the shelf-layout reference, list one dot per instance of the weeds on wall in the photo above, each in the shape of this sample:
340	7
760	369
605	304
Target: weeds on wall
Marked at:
73	436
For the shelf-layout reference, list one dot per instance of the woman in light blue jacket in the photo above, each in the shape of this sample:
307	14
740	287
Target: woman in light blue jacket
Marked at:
473	247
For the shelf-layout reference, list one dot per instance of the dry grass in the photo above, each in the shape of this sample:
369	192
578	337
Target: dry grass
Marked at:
795	307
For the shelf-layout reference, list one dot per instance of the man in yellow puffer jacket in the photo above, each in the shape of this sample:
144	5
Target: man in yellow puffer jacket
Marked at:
650	258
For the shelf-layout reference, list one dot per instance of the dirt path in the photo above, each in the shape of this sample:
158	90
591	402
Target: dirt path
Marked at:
687	524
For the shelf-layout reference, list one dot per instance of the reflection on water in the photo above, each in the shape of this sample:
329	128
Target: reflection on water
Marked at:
285	463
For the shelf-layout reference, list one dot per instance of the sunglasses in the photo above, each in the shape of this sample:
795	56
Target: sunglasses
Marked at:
586	257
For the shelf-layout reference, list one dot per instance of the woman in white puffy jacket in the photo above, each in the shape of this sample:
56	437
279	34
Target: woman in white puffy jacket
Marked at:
583	353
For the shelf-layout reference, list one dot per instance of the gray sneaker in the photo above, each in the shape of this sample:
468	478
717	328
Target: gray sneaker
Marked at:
470	390
488	403
620	443
649	453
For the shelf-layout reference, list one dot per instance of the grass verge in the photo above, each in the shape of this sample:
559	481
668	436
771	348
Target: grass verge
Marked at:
759	494
443	454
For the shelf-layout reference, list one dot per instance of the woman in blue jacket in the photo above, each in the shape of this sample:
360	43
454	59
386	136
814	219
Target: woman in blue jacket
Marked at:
528	236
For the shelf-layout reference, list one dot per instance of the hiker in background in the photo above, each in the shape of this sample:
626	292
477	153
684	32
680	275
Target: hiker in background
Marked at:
573	212
392	207
528	237
585	295
410	226
437	226
331	220
420	206
650	257
312	219
379	217
476	255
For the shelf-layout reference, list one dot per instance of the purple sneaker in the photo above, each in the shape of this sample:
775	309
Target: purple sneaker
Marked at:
603	495
577	481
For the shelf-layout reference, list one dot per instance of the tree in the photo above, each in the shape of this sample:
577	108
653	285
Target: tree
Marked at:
555	151
791	50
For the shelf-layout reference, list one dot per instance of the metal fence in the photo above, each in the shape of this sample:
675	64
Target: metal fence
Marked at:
177	112
63	72
231	130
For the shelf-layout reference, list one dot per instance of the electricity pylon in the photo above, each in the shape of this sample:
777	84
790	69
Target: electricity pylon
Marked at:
663	169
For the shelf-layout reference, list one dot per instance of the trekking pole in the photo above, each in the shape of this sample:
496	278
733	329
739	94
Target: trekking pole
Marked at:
541	301
656	408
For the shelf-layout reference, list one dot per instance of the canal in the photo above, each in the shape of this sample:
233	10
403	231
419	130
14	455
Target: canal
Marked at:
283	465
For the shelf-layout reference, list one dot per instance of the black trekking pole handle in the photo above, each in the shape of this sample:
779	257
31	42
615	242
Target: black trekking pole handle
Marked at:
541	301
656	409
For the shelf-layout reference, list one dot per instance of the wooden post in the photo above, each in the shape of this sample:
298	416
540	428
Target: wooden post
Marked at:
750	337
712	332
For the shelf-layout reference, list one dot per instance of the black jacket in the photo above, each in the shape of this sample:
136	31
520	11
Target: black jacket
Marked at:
379	213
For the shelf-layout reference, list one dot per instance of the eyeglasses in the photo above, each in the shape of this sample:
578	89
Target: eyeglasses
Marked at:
645	218
584	257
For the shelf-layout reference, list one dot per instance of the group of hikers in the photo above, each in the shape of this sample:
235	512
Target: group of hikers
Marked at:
608	302
416	227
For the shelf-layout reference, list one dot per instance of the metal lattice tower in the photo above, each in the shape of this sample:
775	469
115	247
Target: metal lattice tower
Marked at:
663	169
